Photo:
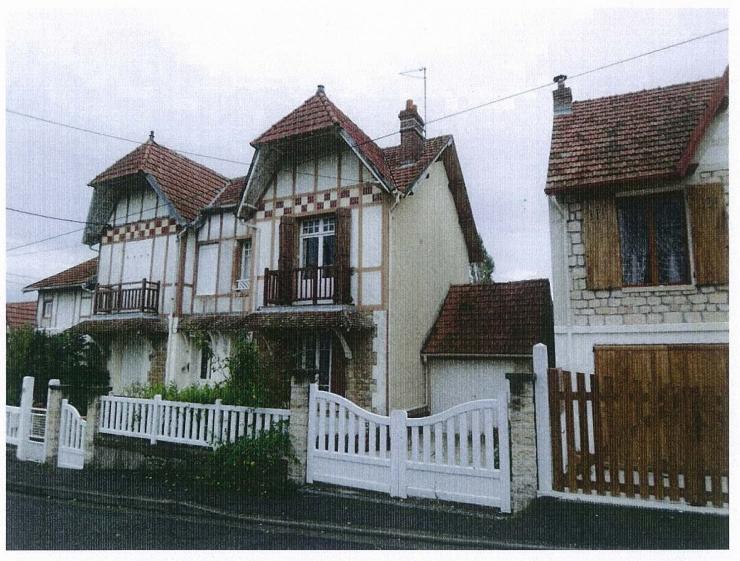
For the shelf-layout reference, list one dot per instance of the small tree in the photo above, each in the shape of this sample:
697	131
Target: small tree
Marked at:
483	271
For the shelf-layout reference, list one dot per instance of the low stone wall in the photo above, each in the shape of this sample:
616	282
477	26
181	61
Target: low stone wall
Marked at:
122	452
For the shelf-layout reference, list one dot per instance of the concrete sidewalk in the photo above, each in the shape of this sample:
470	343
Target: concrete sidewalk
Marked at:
547	523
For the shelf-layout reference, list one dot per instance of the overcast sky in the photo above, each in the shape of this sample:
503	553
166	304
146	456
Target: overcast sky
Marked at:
210	82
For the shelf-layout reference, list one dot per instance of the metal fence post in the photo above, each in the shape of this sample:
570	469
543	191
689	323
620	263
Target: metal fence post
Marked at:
542	418
24	420
154	429
398	453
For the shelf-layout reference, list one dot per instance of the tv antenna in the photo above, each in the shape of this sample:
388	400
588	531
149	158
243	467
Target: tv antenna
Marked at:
415	74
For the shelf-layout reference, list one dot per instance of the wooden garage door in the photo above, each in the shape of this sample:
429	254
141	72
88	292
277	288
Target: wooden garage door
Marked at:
663	412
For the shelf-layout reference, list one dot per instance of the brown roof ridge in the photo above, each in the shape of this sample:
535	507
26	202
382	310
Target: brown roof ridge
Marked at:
642	91
73	276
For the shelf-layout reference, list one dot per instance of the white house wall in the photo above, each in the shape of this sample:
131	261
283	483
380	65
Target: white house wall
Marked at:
128	362
69	307
427	255
456	381
659	315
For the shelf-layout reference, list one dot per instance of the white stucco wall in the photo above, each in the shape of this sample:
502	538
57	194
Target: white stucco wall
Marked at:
454	381
69	306
427	255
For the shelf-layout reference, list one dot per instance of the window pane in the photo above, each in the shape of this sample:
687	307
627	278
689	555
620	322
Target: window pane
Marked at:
310	252
325	361
246	257
328	256
633	236
670	240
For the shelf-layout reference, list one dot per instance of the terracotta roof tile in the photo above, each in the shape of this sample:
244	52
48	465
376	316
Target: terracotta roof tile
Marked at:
651	134
19	314
405	175
188	185
493	319
123	325
343	319
319	113
74	276
231	194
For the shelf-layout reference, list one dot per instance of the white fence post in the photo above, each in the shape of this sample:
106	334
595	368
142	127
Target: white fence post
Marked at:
542	412
398	453
503	448
155	420
311	440
24	421
217	421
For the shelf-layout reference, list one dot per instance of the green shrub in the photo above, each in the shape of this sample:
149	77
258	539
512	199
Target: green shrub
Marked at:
74	359
256	466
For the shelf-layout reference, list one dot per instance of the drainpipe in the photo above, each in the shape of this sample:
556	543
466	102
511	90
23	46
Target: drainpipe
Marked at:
568	311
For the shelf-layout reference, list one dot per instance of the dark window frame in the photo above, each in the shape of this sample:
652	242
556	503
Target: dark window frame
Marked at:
47	302
648	203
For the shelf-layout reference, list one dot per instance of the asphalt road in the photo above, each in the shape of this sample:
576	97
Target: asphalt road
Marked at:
44	523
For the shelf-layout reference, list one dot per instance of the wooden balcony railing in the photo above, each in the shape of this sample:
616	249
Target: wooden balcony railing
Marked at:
315	285
127	297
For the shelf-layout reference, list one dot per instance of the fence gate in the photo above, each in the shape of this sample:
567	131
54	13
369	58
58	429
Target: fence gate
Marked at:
461	454
651	424
71	438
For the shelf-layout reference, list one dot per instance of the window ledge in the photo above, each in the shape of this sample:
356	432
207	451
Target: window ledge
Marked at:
662	287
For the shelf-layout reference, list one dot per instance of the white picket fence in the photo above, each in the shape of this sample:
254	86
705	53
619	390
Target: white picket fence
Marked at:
71	438
196	424
461	454
12	423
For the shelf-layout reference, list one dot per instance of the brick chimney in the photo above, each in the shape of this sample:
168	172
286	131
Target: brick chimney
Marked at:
562	97
412	133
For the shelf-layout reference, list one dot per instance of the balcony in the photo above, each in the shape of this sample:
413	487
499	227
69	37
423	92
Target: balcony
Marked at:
127	297
307	285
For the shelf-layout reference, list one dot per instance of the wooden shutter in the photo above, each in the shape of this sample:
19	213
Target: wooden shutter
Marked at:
709	233
601	237
343	239
286	259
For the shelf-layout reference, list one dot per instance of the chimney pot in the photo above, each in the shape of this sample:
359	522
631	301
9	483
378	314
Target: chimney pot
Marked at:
320	89
151	136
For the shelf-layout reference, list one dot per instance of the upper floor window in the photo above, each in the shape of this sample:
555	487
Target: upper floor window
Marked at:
318	242
243	265
207	263
46	307
653	240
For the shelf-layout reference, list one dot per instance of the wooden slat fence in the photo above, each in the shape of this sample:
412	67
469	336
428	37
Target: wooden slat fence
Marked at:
196	424
665	442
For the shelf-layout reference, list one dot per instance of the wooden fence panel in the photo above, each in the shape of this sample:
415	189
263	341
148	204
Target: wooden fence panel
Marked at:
652	423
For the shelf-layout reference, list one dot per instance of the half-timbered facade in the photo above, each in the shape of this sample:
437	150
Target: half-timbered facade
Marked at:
334	253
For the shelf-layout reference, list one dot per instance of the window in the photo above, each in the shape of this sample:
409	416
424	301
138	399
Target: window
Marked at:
46	307
244	265
318	242
206	360
207	260
653	240
314	355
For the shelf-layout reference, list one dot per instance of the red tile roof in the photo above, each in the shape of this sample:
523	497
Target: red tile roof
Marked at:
646	135
188	185
19	314
405	175
299	319
121	325
74	276
493	319
231	193
318	113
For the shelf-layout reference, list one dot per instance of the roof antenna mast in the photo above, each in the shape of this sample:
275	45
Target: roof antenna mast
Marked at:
414	74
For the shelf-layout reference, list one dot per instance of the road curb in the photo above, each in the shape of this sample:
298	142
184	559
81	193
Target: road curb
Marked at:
173	506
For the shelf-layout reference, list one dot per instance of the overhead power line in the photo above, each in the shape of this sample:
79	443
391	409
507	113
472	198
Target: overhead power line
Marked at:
45	239
369	140
55	217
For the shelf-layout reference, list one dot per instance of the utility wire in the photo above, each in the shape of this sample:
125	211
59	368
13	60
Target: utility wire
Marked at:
369	140
55	217
45	239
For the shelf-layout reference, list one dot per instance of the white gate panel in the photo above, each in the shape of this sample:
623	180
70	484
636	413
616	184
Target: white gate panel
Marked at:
461	454
71	438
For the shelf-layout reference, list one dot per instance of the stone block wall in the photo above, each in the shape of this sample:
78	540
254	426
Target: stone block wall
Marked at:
157	360
523	438
360	383
634	306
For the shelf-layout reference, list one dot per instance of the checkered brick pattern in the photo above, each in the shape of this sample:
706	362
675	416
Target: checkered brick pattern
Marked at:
367	193
140	230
